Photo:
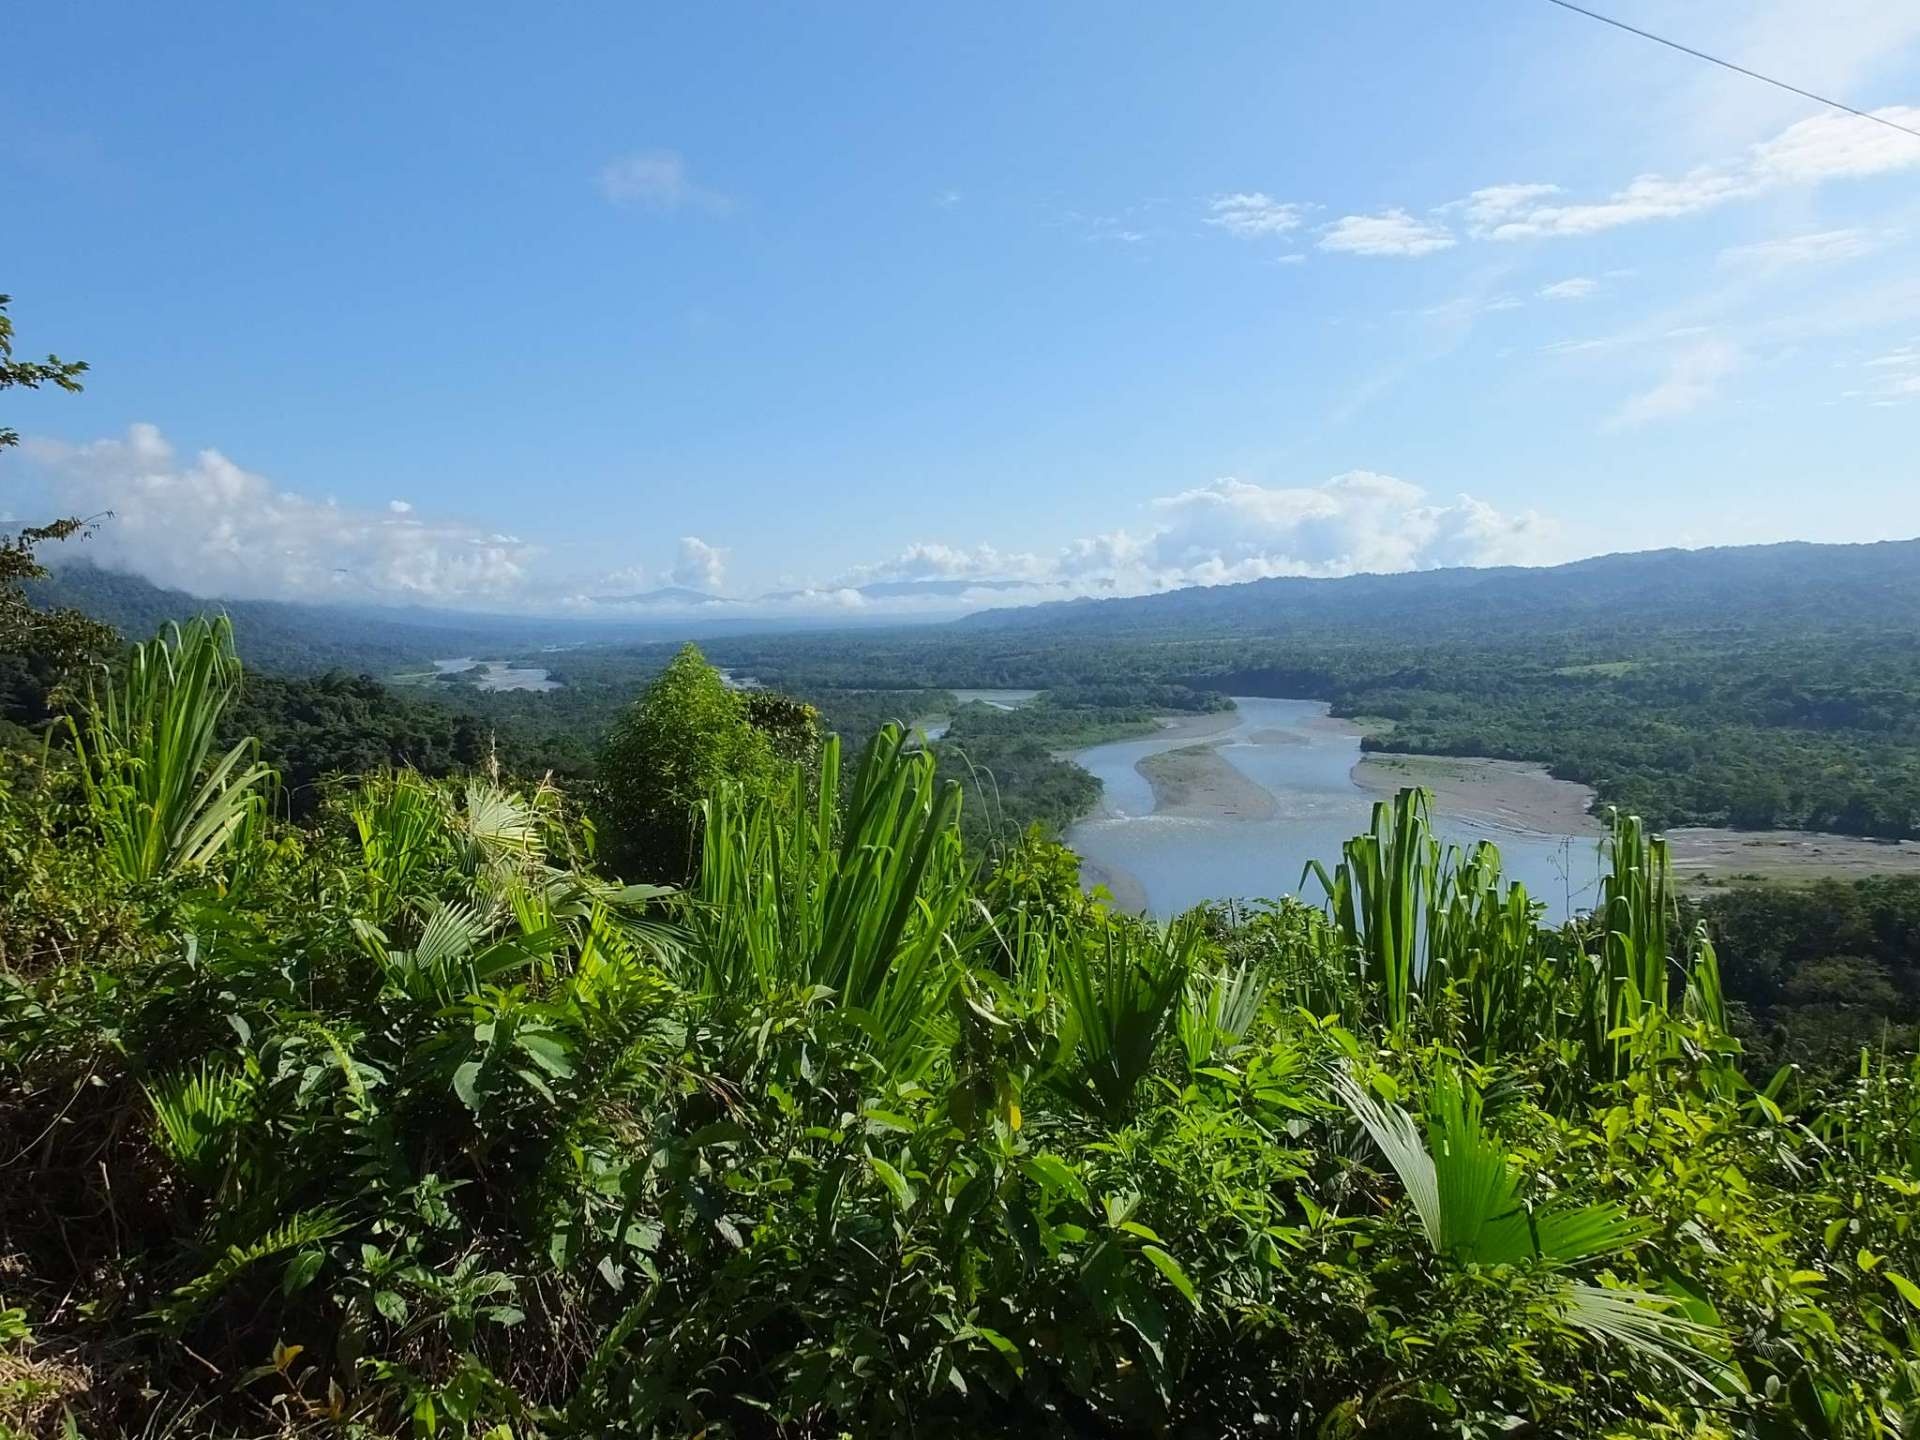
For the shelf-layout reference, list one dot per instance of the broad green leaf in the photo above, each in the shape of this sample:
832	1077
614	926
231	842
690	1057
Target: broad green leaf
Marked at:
894	1181
1170	1267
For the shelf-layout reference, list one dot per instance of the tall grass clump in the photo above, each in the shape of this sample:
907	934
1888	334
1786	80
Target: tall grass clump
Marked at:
163	799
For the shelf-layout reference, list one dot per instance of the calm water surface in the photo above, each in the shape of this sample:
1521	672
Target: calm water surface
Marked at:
1179	862
500	675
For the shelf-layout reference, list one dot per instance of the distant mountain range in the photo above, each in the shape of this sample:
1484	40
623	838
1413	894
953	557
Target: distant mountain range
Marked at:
288	638
1744	588
680	597
1876	586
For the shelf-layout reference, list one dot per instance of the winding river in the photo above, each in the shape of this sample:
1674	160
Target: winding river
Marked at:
1233	843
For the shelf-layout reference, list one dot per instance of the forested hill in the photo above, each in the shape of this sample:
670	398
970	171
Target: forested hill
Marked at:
1750	586
281	638
284	638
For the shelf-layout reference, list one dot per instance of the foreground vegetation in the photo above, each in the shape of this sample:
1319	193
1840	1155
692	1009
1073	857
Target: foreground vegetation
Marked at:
415	1119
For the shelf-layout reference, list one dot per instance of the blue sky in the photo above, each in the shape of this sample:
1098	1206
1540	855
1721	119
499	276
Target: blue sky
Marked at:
489	305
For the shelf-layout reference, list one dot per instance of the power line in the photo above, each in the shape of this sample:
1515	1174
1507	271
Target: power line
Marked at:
1729	65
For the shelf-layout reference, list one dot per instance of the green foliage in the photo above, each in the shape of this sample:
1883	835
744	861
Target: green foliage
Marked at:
1817	973
61	641
145	747
416	1121
684	739
1122	985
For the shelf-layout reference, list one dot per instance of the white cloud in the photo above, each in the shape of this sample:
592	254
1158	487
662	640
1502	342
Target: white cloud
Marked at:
1820	247
1892	378
1463	309
207	526
203	524
700	566
1131	225
1355	522
1227	531
1836	145
1825	147
1692	378
1392	232
400	507
1495	204
657	180
1251	214
1578	287
934	561
1581	347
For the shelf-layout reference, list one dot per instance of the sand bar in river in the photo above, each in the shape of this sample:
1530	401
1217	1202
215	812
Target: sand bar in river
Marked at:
1197	782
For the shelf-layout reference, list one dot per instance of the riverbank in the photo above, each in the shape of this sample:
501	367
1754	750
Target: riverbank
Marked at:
1510	794
1704	857
1522	797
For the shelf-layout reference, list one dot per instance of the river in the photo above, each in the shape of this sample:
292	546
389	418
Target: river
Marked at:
1290	751
499	675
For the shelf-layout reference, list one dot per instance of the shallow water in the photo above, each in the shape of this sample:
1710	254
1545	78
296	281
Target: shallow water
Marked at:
500	675
1179	862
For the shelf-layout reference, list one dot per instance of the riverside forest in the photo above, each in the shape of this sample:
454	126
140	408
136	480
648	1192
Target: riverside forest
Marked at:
683	1050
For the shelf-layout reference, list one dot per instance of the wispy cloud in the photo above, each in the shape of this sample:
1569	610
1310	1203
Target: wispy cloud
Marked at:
1577	287
657	180
1824	147
1892	378
1391	233
1251	214
1821	247
1692	378
1124	227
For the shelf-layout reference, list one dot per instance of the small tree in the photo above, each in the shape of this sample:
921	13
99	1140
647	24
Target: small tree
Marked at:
59	640
680	741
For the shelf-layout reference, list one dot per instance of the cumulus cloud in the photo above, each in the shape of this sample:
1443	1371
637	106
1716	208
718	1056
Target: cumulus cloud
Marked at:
1392	232
1360	521
1251	214
1824	147
205	525
934	561
1692	378
1578	287
700	566
1227	531
657	180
